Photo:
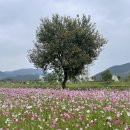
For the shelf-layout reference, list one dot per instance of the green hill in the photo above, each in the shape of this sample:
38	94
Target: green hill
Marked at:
118	70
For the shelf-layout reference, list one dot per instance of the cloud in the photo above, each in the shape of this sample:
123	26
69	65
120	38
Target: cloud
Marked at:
20	18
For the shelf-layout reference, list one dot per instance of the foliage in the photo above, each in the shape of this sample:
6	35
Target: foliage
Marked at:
128	77
106	76
51	78
119	77
65	45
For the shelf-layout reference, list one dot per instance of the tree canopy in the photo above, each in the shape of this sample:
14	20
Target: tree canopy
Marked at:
106	76
66	45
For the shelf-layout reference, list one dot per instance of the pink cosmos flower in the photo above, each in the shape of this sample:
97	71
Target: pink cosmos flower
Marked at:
54	121
127	128
6	113
116	121
80	117
106	108
76	125
118	114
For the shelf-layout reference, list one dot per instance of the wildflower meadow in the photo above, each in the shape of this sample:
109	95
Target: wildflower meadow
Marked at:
54	109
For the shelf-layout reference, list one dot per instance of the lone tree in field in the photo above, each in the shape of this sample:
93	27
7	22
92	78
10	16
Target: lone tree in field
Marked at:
66	45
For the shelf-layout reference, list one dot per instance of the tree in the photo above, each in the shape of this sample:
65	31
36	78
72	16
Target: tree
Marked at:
106	76
93	78
119	77
128	77
65	45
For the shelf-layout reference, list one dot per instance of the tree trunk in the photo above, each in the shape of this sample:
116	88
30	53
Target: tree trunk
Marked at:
65	79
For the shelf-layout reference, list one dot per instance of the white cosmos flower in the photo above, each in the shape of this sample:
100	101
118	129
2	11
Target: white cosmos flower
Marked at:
29	107
88	111
7	120
109	118
128	113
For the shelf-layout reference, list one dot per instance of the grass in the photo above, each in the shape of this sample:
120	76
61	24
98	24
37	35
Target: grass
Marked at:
94	85
100	85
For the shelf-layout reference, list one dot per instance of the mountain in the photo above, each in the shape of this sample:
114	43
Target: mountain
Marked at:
21	74
23	77
28	71
33	74
118	70
2	75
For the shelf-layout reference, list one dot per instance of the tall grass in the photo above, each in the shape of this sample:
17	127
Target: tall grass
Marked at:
85	85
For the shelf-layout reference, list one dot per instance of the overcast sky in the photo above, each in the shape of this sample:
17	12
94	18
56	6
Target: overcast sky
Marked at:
20	18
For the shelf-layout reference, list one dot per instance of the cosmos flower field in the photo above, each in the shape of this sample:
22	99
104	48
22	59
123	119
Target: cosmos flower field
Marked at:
50	109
